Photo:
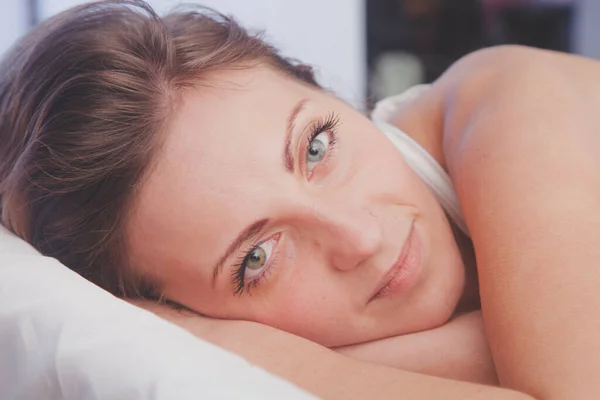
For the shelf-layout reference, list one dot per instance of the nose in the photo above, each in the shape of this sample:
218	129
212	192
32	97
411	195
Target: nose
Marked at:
347	237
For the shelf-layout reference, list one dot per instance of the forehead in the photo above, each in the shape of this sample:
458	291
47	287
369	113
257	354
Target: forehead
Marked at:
219	167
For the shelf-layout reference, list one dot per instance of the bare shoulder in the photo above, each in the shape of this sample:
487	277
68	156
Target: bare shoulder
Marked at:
516	88
521	143
489	62
512	77
524	70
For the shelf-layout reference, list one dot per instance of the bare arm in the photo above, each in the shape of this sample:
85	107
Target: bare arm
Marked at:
522	145
456	350
321	371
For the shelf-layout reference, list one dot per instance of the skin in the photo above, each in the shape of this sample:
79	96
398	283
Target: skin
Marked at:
336	226
521	142
323	372
512	125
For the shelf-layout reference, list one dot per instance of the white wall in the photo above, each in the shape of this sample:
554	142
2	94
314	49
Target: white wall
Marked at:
328	34
13	22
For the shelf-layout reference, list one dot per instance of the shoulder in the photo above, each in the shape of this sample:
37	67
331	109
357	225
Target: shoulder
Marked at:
520	97
513	72
515	131
508	82
492	62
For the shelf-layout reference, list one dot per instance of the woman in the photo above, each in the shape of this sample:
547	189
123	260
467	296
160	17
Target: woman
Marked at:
138	151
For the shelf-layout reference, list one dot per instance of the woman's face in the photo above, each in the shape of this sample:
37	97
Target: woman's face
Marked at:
278	203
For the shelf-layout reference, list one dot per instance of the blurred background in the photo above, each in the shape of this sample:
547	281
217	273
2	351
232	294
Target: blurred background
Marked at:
365	50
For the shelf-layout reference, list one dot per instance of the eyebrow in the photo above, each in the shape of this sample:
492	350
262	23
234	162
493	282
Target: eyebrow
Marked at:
248	233
288	158
251	230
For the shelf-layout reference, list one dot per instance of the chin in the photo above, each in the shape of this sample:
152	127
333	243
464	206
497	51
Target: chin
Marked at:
436	306
442	302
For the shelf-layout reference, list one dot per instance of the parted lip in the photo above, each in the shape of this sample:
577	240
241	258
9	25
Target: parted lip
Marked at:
396	267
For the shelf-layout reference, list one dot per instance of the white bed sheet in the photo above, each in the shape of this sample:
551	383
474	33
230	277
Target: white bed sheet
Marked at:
63	338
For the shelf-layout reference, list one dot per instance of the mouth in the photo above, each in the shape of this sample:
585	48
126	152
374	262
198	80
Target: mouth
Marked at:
403	273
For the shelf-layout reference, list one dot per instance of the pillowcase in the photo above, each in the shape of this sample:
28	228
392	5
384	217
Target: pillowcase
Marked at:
62	337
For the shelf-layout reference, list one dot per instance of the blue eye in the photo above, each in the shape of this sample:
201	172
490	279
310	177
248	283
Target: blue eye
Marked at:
317	149
321	141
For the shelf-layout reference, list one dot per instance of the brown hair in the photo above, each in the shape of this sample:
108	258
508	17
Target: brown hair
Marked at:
84	99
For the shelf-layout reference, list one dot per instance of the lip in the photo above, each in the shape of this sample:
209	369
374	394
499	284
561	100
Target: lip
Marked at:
403	273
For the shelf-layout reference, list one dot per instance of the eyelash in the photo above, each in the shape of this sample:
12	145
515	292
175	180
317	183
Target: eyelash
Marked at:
237	276
328	124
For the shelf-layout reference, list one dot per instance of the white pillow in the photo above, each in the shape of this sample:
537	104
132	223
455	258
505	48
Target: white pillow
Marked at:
62	337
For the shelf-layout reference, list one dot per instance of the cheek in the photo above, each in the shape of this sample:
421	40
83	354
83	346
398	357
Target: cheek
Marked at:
310	308
379	169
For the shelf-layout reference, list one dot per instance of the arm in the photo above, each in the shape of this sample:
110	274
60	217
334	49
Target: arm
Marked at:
522	146
319	370
456	350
